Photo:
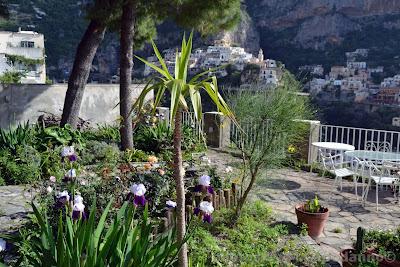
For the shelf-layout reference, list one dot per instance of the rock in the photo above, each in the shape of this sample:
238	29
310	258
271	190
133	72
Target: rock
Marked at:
14	206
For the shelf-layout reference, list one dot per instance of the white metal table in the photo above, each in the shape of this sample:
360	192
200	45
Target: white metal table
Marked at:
334	146
374	155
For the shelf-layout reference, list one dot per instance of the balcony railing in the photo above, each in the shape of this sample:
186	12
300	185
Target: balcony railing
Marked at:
189	119
360	138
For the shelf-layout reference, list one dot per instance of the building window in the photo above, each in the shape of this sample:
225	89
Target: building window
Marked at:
27	44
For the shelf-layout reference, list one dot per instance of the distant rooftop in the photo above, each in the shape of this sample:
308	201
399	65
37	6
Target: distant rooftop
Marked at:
21	32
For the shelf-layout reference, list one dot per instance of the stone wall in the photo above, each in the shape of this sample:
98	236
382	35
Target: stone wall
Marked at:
23	102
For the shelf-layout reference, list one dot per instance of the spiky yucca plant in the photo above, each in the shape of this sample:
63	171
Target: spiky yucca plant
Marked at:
180	88
85	243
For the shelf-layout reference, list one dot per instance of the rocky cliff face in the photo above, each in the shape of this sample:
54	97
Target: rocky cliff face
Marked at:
320	31
318	22
245	35
294	31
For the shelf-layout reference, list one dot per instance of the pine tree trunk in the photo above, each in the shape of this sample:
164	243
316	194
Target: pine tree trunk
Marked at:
85	53
126	64
180	190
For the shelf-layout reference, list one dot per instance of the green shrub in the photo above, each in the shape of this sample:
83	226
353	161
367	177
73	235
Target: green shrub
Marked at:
99	152
22	168
153	138
135	155
255	240
56	136
158	139
387	243
51	163
106	133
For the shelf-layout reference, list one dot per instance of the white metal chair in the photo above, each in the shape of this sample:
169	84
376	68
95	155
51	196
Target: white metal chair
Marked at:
335	165
386	174
360	169
378	146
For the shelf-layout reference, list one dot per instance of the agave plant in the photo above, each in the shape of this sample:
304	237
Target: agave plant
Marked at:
124	242
180	88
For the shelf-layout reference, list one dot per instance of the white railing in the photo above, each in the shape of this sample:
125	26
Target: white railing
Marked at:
250	132
189	119
361	138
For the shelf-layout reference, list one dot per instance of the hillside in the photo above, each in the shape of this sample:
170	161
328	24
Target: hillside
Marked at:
294	32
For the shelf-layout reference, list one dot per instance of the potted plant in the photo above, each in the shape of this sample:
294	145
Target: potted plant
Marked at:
352	257
384	247
367	251
313	215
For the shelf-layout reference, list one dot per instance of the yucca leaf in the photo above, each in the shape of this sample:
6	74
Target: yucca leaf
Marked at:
175	98
195	98
157	69
161	60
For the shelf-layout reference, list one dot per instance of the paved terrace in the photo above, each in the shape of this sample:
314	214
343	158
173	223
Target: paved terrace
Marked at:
284	188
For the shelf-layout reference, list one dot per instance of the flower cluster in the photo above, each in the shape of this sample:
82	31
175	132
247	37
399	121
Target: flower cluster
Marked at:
68	152
76	206
205	210
62	199
291	149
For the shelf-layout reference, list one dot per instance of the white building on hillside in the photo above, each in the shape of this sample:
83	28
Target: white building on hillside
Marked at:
23	51
356	65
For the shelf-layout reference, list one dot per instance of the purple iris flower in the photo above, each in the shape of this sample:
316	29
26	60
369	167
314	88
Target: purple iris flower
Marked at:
207	218
139	200
78	211
72	158
138	190
206	209
62	199
204	185
196	211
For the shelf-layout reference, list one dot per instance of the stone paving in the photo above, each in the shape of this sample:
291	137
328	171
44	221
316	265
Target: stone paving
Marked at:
284	188
14	207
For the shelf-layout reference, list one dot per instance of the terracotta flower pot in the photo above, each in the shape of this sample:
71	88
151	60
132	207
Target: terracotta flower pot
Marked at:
315	221
349	257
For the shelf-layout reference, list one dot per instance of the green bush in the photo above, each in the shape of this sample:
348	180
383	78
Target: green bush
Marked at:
387	243
56	136
135	155
158	139
99	152
51	163
255	240
153	138
22	168
104	133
